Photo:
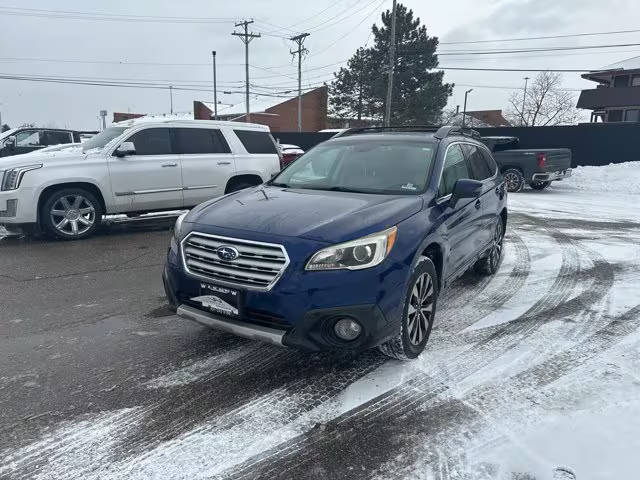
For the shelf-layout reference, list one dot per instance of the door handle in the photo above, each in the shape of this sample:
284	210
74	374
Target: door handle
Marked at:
477	204
171	164
224	163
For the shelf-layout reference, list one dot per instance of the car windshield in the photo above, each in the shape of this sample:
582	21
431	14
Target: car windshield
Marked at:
374	166
104	137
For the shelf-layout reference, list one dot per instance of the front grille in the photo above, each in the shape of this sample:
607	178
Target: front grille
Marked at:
258	266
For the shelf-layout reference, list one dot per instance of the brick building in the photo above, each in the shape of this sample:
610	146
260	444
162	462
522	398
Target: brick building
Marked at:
282	117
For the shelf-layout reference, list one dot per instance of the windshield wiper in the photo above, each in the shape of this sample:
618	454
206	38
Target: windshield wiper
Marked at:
277	184
346	189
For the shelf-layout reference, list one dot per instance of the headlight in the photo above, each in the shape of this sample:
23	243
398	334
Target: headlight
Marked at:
12	177
364	252
177	229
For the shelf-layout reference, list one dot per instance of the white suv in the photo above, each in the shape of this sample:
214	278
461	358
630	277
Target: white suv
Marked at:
132	167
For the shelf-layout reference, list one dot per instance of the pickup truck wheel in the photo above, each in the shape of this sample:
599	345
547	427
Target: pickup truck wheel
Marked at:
71	214
417	315
491	262
540	185
514	179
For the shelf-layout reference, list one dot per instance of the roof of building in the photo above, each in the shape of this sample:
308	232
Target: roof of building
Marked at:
628	64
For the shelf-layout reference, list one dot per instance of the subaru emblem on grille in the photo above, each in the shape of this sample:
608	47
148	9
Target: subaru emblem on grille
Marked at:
227	253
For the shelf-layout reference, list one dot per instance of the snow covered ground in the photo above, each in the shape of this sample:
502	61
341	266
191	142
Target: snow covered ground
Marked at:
531	374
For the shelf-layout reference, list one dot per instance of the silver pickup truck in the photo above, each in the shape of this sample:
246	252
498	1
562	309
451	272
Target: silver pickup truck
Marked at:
534	167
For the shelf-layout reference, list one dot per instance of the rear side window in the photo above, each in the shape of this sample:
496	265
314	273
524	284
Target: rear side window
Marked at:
491	163
454	169
152	141
256	141
479	168
201	140
56	138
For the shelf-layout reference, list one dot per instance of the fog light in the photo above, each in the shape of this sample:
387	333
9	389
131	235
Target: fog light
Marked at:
347	329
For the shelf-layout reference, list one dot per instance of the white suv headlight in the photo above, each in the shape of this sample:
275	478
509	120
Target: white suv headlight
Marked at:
357	254
12	177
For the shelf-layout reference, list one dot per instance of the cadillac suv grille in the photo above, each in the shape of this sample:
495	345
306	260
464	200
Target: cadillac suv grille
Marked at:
258	265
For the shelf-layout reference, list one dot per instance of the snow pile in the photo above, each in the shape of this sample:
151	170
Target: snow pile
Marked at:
615	177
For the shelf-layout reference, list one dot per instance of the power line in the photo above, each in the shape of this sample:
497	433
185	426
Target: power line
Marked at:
78	15
316	15
548	37
525	50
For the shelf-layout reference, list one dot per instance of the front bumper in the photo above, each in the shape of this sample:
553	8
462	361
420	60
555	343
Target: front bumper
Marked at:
302	307
18	207
551	176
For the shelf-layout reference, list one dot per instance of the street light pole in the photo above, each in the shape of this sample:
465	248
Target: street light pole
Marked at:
464	111
171	97
215	91
524	97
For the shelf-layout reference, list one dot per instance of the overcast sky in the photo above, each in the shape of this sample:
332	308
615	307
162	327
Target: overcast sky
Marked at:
337	29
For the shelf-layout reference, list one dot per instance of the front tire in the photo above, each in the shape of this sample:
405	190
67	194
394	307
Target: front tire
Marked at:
71	214
539	185
514	179
417	315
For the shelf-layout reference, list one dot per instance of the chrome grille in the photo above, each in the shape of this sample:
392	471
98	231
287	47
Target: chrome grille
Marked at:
258	266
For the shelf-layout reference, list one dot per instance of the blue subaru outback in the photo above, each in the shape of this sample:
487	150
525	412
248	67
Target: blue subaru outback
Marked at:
346	248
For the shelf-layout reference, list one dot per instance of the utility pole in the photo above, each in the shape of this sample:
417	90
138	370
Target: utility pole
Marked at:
215	90
299	39
360	68
171	97
524	97
246	38
464	111
103	119
392	62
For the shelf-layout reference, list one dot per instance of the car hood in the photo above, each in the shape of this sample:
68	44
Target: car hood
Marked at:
45	158
331	217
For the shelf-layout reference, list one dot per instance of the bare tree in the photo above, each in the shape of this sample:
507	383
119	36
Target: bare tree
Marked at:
546	103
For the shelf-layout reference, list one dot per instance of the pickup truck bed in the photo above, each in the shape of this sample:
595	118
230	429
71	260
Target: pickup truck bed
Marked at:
534	167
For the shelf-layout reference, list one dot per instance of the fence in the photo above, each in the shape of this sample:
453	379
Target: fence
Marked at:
590	143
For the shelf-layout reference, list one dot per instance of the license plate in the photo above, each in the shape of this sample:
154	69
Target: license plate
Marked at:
218	299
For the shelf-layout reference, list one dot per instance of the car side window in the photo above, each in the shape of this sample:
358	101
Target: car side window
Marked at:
201	140
256	141
455	167
28	138
491	163
152	141
477	163
52	137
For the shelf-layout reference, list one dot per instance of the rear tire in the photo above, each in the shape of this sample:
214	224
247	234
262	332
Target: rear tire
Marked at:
539	185
71	214
417	314
490	264
514	179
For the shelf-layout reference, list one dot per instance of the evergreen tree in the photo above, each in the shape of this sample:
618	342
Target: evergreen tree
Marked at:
359	89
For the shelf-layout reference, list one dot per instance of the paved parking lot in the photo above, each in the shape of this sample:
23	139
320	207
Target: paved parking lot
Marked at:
523	371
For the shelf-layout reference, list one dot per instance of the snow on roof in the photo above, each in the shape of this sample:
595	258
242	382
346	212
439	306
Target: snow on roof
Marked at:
628	64
8	133
189	121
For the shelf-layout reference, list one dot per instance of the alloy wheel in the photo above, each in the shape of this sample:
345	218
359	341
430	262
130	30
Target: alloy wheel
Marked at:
496	251
513	182
420	309
72	215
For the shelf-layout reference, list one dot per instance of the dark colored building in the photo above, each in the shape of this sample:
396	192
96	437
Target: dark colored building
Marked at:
282	117
617	96
121	117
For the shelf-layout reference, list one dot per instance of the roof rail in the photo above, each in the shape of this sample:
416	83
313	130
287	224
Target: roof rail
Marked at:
455	130
395	128
438	132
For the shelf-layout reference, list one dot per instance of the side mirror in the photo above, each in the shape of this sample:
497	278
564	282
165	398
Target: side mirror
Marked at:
10	143
125	148
465	188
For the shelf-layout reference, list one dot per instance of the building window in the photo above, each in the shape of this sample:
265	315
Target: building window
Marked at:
621	81
632	115
635	81
614	116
